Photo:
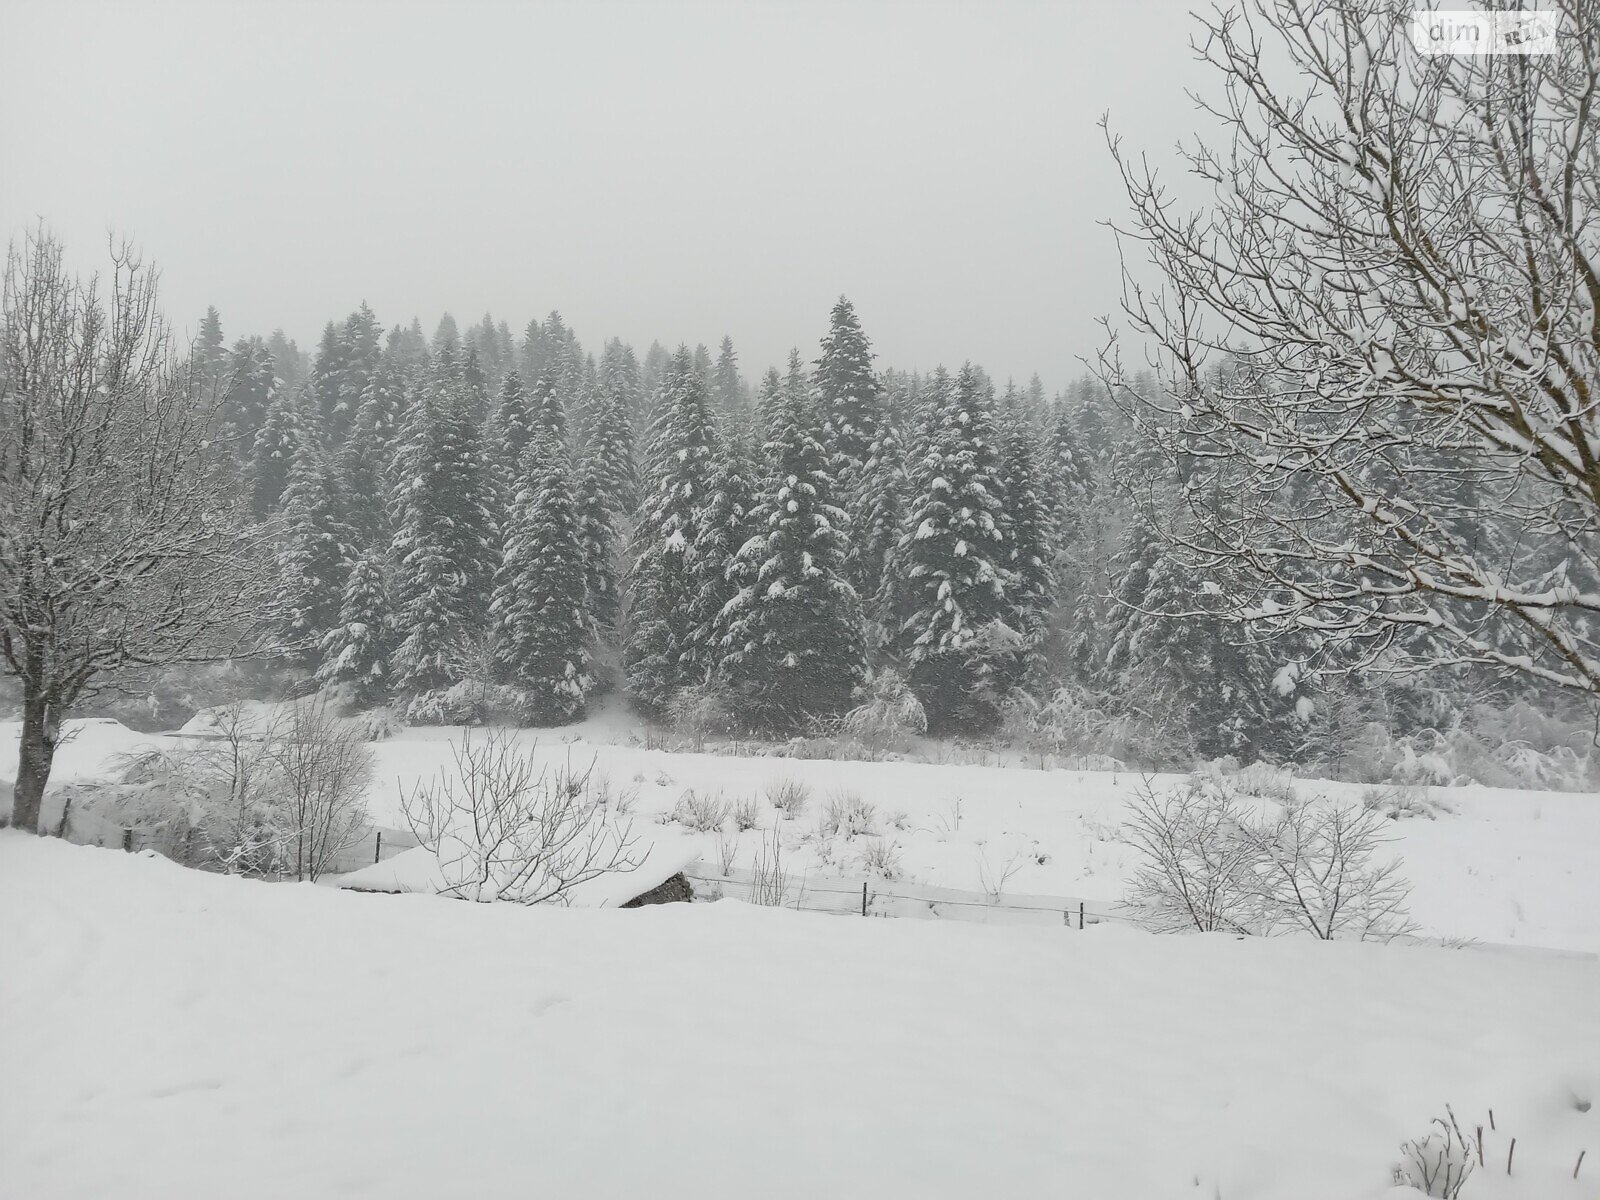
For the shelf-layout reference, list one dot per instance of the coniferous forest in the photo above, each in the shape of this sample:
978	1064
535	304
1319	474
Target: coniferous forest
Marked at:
481	524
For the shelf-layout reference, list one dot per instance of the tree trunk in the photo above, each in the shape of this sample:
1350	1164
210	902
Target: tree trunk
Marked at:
41	729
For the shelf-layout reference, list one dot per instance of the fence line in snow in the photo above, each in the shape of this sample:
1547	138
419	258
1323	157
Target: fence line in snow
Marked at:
872	895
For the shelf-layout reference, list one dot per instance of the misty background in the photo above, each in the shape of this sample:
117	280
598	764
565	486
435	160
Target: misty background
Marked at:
672	172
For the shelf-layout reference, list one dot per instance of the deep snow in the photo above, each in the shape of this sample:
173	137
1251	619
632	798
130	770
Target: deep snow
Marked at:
1504	867
170	1033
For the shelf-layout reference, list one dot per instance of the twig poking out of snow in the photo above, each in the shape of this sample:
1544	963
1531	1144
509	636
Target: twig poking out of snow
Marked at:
1440	1163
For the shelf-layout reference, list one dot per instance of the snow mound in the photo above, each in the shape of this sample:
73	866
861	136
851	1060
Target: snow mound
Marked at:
161	1027
663	854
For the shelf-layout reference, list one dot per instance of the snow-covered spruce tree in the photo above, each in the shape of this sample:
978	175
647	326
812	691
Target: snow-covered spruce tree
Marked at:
1027	523
848	394
542	629
314	554
792	638
876	544
443	546
728	397
355	652
272	453
954	555
362	340
597	545
509	432
363	460
249	386
658	653
611	452
724	527
326	383
1067	472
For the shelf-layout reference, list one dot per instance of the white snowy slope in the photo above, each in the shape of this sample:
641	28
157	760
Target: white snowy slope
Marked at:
169	1033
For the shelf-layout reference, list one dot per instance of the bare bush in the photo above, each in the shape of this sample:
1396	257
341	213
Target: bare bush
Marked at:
503	829
326	769
1439	1163
1196	861
727	851
994	879
1207	864
701	811
1316	869
701	713
769	884
789	796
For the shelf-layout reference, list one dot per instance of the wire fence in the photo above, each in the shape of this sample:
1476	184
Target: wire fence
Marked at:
190	846
875	896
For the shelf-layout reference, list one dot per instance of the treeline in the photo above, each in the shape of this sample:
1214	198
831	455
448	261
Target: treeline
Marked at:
478	518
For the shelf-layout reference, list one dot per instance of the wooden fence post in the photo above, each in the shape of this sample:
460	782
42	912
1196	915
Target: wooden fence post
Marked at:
127	839
1080	914
863	897
377	850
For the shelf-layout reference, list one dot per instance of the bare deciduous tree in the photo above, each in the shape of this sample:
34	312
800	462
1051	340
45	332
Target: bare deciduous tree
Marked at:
1401	265
121	537
506	829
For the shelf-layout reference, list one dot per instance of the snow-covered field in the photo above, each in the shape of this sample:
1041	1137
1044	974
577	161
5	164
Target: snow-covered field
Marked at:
1504	867
170	1033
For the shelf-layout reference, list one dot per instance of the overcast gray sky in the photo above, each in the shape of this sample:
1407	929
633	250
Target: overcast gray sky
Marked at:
670	170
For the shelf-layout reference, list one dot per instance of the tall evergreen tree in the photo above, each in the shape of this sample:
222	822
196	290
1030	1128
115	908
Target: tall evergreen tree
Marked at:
542	629
362	341
273	452
724	527
597	545
611	455
510	429
355	652
955	558
1028	522
327	378
881	511
315	554
443	547
849	397
658	652
250	385
791	636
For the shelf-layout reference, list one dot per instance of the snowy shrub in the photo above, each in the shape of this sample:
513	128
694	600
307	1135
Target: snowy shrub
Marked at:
1439	1163
1195	868
700	713
1071	724
1403	802
701	811
880	857
325	766
1207	864
889	714
900	819
503	829
470	702
847	815
789	795
1259	779
746	814
1318	870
